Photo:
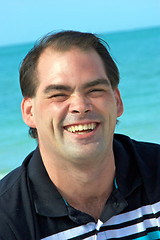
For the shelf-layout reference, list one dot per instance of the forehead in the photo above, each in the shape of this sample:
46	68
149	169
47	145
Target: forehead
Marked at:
74	53
73	65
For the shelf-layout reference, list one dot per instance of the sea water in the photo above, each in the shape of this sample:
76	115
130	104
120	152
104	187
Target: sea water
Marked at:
137	54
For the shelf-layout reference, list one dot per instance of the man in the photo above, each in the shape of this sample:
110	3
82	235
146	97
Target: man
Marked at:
83	181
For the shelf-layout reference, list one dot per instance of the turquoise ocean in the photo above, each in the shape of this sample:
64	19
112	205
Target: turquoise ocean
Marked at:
137	54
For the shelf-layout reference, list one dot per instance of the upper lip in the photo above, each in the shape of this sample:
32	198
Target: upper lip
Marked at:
79	123
81	127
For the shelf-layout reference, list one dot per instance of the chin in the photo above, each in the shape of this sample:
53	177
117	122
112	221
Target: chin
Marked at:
83	156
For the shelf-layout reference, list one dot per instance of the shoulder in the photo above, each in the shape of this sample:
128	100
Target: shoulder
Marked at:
138	148
11	180
16	204
14	185
143	153
15	178
142	159
6	231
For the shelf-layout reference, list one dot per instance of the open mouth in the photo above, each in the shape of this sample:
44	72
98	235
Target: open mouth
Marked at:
81	128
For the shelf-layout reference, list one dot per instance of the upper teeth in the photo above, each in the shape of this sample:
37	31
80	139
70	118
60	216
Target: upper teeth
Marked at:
81	127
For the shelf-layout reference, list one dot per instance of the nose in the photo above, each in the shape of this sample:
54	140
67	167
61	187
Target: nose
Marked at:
80	104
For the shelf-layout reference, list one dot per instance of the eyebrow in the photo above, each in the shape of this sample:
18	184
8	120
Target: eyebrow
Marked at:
53	87
96	82
67	88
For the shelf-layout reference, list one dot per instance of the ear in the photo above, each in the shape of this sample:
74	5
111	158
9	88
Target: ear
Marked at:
118	102
27	112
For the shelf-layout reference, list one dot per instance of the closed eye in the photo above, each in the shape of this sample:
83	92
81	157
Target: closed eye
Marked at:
96	92
59	97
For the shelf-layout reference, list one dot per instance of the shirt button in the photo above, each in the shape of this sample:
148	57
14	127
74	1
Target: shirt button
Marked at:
116	204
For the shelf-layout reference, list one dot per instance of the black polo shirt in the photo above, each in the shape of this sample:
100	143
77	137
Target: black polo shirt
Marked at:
32	208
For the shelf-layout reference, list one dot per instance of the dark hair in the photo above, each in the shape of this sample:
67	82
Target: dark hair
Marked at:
63	41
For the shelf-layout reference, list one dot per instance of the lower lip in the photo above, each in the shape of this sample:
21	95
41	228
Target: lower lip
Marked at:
84	135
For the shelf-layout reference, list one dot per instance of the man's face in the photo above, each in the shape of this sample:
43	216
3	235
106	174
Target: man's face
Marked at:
75	108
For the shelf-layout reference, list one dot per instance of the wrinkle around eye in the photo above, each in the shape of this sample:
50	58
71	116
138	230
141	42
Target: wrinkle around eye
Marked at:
59	97
96	92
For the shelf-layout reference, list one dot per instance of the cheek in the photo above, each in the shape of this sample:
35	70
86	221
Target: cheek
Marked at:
41	114
107	105
57	113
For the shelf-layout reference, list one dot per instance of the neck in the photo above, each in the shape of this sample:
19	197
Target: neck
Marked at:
85	188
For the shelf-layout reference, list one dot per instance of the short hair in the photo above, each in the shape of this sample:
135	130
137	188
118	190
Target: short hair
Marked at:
63	41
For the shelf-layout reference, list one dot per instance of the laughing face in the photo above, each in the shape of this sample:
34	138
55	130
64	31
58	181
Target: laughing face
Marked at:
75	108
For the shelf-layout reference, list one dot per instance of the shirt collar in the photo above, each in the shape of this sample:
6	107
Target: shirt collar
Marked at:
47	199
46	195
128	177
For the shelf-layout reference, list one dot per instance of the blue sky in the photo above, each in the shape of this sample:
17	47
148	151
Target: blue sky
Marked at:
27	20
